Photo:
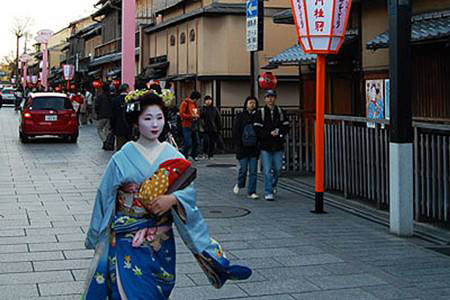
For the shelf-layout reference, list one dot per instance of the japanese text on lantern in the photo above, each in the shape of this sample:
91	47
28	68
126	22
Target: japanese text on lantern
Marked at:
319	16
341	11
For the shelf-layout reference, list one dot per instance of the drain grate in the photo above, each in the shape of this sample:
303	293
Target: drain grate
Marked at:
442	250
220	166
223	212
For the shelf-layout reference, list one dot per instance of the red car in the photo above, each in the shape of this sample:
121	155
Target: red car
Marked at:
48	114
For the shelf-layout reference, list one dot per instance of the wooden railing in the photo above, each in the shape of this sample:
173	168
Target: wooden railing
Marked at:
113	46
432	172
357	159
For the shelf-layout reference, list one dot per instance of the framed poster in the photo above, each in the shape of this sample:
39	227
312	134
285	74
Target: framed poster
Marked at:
375	103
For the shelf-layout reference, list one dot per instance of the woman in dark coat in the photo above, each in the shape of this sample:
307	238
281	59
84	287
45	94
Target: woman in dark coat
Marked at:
246	145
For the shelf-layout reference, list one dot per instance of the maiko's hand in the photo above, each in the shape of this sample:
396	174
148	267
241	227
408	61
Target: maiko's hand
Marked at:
162	204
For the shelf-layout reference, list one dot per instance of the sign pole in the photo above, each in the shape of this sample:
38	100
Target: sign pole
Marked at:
320	133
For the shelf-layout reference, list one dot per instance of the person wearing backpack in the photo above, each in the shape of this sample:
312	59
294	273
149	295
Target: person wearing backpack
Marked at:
246	145
271	127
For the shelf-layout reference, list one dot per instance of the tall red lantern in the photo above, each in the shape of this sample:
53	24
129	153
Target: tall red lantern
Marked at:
96	84
321	26
267	81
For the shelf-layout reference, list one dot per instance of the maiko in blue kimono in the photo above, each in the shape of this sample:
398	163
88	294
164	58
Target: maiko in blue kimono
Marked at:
134	243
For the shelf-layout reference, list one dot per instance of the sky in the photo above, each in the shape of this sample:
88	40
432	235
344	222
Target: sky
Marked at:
45	14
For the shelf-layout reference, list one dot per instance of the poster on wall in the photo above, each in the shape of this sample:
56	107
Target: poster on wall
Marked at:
387	96
374	100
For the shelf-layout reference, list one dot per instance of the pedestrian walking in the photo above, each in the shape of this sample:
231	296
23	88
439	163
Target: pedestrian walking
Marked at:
119	125
103	111
189	115
77	101
144	190
210	119
247	148
89	106
271	127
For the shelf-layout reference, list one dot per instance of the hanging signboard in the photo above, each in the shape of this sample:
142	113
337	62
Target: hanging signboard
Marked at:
255	25
68	72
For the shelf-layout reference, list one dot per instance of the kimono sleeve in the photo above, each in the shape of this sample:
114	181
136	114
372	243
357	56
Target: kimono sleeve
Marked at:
192	229
104	204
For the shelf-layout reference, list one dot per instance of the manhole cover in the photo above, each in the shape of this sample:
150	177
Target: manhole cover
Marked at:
223	212
221	166
442	250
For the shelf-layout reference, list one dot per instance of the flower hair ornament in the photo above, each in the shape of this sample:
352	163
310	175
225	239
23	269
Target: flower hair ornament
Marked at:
133	103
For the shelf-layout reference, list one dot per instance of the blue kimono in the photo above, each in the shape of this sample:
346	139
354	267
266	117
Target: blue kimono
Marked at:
122	270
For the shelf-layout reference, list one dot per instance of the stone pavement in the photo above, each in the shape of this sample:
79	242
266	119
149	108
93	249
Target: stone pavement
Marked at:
46	192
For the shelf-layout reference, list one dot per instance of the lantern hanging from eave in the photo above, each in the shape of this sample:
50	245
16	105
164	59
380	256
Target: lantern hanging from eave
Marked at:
321	24
267	81
96	84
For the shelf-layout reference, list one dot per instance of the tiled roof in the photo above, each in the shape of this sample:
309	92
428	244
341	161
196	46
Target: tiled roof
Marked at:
284	17
424	27
293	55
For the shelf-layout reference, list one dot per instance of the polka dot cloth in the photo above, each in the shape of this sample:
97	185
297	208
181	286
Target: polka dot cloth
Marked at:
157	185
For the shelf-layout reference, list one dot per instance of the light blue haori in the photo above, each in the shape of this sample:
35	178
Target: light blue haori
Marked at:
121	271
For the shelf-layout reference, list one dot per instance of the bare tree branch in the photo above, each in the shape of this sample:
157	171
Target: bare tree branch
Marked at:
21	26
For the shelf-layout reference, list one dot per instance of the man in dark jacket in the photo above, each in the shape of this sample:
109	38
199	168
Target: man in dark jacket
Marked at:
210	117
246	145
271	127
119	124
103	111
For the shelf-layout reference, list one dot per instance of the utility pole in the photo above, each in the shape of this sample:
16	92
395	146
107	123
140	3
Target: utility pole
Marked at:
401	133
18	36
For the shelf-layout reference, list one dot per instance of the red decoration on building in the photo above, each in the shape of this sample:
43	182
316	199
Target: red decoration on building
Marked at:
267	81
96	84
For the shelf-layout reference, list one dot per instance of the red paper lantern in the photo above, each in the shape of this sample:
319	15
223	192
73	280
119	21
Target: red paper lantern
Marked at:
96	84
116	83
321	24
267	81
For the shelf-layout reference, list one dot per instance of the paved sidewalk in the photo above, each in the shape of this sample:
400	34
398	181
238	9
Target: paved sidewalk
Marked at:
46	193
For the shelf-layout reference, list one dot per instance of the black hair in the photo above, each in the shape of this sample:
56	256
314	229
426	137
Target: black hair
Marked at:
123	88
105	88
141	104
248	99
207	97
195	95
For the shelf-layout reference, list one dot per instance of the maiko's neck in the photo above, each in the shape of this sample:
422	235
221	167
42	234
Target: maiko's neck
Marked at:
147	143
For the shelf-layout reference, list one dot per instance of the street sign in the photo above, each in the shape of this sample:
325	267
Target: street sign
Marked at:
68	72
255	19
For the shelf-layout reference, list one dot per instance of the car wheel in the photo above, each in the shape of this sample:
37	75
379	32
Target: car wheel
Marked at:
23	138
72	138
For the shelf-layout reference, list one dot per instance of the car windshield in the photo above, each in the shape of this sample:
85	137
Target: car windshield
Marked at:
6	92
50	103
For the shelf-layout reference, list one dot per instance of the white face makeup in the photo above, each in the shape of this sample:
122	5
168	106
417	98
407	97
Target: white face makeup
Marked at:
151	122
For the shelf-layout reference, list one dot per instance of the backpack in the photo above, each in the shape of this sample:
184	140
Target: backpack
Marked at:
249	136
